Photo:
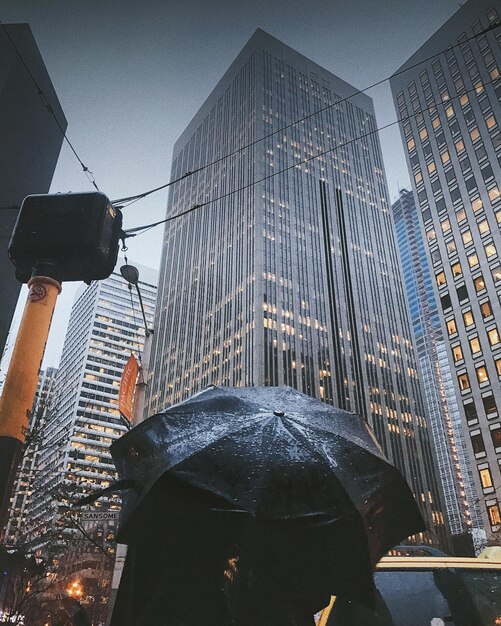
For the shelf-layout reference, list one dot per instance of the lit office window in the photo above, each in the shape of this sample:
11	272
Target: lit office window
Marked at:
476	205
464	381
483	227
473	260
467	237
479	283
493	336
446	157
494	514
456	270
486	309
485	476
457	353
445	225
460	216
493	194
482	375
490	250
474	134
468	318
451	327
497	363
475	346
451	247
441	279
490	121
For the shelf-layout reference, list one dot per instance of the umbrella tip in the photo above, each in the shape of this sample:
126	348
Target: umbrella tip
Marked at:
278	413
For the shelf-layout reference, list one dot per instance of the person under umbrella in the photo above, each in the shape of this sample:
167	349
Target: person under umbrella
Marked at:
295	494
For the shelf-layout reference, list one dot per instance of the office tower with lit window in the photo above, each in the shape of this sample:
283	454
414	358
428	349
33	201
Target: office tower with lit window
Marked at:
288	274
30	143
444	418
451	116
105	327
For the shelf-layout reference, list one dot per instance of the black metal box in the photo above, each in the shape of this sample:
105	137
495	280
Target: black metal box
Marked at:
77	235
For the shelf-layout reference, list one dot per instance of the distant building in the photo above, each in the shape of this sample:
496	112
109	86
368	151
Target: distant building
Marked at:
29	148
450	104
294	278
105	327
16	532
448	435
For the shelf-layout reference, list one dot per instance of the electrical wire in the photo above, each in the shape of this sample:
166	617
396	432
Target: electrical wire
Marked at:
48	107
131	199
139	230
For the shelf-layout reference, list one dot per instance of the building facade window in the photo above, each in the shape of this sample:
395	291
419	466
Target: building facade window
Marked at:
482	375
464	382
485	477
494	514
493	336
477	442
490	406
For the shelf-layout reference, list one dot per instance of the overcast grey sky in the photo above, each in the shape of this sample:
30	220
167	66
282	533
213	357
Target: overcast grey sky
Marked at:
130	76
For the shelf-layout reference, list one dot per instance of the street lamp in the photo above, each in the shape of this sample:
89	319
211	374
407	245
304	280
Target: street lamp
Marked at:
131	275
75	589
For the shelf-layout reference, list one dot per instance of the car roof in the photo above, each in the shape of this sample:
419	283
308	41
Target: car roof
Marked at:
435	562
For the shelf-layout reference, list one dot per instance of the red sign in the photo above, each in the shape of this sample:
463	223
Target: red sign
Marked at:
127	386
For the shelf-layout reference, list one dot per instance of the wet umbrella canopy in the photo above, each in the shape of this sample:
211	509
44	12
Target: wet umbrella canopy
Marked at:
297	491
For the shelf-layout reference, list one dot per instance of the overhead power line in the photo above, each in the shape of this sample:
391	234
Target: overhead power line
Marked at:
139	230
140	196
48	107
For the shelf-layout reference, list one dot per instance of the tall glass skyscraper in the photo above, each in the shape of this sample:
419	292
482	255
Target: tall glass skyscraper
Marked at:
449	102
288	273
448	437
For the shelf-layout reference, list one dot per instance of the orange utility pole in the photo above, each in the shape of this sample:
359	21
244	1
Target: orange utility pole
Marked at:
22	378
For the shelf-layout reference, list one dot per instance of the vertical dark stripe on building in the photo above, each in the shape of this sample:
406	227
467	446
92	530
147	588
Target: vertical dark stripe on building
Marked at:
350	300
338	370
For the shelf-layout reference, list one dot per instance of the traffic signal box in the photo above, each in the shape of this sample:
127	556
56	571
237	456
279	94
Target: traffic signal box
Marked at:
66	236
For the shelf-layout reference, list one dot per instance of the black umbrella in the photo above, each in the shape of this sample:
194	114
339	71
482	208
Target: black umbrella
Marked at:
296	489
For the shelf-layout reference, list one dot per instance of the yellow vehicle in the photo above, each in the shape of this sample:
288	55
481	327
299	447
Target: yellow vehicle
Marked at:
427	590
